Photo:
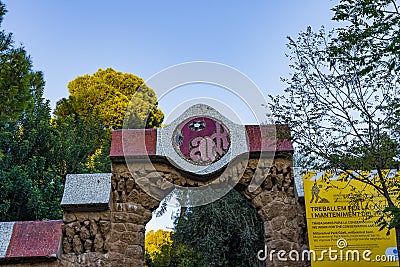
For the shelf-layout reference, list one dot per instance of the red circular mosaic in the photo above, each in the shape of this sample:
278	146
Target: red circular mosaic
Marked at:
201	140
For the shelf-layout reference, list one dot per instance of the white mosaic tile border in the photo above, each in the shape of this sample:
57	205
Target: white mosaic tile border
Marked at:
6	230
237	136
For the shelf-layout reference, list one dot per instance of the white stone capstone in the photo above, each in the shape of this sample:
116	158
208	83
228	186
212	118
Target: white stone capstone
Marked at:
87	191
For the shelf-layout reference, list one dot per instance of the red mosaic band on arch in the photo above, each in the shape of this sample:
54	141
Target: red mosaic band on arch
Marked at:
264	138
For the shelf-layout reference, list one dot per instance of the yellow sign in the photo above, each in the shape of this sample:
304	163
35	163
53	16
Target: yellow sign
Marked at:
341	220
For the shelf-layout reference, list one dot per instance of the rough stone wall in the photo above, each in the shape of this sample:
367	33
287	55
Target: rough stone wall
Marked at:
85	236
116	237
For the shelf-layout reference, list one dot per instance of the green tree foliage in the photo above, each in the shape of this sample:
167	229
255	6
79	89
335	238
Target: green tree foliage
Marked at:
107	93
226	232
342	100
82	145
16	76
30	186
375	30
158	247
160	251
184	256
108	98
372	30
37	151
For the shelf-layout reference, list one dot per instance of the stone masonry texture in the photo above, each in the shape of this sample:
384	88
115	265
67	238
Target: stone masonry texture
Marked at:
115	237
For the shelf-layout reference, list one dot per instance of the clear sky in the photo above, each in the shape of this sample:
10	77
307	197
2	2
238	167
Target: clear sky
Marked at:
70	38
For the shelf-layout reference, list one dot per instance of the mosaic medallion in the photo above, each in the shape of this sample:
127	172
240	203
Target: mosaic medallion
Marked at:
201	140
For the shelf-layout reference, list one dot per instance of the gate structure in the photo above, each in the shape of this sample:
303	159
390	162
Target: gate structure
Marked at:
201	151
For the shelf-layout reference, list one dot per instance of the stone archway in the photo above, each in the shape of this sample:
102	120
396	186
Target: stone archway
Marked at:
145	168
275	202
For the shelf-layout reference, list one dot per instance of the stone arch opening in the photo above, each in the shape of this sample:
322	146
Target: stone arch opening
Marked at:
241	233
164	214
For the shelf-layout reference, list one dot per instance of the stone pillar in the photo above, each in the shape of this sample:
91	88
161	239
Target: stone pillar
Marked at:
131	210
278	208
86	220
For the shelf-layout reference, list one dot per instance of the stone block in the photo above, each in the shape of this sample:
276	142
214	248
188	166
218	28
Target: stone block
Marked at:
87	192
98	243
77	245
278	223
84	233
119	247
105	227
120	217
68	217
93	228
134	251
132	227
118	227
88	245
